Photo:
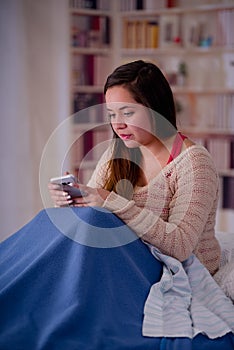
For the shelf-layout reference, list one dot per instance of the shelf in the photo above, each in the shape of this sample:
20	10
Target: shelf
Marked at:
102	51
173	37
176	10
207	133
88	89
175	50
89	12
228	172
204	91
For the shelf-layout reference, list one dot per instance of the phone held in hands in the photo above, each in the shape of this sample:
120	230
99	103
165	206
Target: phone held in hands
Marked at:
67	182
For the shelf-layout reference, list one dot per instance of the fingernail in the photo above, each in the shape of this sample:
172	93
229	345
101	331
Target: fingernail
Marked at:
68	196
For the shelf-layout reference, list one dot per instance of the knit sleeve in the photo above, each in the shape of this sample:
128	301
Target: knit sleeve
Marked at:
194	196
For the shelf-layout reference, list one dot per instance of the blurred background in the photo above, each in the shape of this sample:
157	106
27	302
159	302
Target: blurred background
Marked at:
54	58
34	100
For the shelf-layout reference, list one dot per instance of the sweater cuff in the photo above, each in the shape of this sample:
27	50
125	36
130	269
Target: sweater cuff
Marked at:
115	202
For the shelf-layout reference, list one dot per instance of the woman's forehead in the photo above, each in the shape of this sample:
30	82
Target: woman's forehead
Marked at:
119	94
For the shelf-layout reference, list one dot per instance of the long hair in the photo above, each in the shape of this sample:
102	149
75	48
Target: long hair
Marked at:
148	87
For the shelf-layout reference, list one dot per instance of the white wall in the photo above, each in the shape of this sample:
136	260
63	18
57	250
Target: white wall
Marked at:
34	100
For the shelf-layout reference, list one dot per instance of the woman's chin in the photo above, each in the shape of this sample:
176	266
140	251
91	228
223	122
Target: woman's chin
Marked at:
131	143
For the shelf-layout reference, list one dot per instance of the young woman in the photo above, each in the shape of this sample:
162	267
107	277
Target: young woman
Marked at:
161	184
60	290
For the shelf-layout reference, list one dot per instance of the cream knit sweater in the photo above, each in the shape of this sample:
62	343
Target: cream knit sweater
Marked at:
176	211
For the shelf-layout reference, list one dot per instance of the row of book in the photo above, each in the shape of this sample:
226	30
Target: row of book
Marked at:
190	30
132	5
140	34
90	31
227	192
207	111
225	28
88	108
124	5
90	4
217	31
90	69
221	151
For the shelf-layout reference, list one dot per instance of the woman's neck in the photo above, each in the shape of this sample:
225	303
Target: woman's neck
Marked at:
154	159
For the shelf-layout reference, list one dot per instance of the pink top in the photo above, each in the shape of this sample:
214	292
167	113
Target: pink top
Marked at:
176	148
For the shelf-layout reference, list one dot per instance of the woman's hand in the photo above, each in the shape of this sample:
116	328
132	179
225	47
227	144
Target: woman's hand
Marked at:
93	197
59	197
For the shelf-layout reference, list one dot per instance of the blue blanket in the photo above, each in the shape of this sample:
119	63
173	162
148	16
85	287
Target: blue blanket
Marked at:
64	289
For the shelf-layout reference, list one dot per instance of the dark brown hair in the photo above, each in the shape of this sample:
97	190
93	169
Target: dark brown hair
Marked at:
149	87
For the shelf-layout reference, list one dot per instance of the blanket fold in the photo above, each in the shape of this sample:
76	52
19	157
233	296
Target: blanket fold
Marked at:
68	281
186	301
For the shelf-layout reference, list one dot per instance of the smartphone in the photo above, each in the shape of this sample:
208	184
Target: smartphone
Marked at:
66	183
64	180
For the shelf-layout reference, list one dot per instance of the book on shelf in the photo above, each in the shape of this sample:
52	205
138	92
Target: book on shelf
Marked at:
228	69
101	69
199	30
147	5
232	154
170	31
152	34
90	69
228	192
90	4
225	28
212	112
88	108
77	150
90	31
139	34
79	31
220	151
78	74
99	31
88	144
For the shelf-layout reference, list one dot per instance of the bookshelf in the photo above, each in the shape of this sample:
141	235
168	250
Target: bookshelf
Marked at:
191	41
91	58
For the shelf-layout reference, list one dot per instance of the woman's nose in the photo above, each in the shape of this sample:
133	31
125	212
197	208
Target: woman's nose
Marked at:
119	121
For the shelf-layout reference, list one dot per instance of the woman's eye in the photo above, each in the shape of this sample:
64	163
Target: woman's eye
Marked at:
111	115
128	114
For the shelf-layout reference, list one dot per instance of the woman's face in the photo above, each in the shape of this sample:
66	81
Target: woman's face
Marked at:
129	119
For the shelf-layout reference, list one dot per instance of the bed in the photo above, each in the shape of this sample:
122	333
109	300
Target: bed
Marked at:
78	279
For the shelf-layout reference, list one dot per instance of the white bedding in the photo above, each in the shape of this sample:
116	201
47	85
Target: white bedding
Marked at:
225	276
183	301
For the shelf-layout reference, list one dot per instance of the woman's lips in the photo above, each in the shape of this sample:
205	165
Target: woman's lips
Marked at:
125	136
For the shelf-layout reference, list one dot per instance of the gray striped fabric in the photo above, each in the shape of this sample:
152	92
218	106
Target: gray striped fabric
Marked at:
186	301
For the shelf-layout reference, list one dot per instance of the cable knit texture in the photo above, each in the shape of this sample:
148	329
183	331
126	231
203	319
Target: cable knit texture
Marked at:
176	211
